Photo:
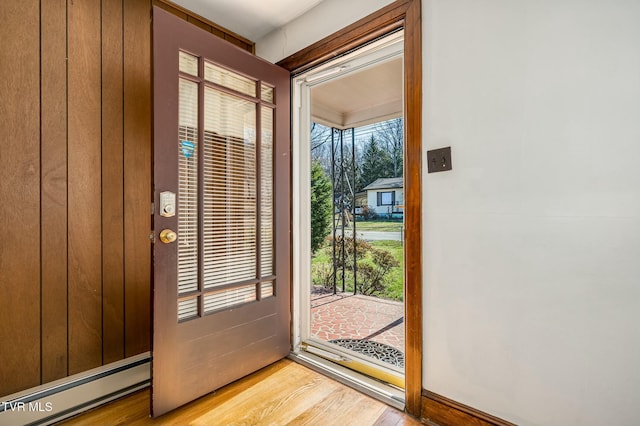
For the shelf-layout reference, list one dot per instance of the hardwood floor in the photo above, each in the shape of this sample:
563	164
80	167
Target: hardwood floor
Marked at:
285	393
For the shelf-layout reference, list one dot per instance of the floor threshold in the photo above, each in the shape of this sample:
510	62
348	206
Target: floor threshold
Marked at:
387	394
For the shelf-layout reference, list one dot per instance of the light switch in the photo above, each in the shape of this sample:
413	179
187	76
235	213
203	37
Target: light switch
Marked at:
439	160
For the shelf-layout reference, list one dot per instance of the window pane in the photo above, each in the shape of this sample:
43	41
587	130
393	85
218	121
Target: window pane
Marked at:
387	198
187	309
229	79
267	93
188	63
188	186
266	289
229	221
227	298
266	193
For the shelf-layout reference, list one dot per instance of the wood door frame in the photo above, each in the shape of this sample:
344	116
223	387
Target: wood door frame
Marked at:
404	14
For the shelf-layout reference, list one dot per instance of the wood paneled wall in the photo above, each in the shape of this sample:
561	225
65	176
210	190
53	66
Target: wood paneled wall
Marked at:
75	186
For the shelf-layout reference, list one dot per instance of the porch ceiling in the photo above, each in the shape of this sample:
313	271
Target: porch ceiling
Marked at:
252	19
368	96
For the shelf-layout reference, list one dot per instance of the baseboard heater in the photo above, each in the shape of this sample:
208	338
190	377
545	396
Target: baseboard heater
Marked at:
67	397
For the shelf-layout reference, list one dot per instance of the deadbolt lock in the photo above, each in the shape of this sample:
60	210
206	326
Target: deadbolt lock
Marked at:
167	204
168	236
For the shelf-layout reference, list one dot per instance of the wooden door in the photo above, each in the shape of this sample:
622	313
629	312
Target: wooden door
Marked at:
221	254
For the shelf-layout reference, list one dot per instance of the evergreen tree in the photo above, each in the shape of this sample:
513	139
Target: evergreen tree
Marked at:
321	215
376	163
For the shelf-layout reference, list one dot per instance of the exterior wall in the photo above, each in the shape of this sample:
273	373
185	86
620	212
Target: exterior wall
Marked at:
372	200
531	293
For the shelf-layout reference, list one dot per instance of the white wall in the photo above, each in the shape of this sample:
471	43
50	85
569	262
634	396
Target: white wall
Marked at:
321	21
532	241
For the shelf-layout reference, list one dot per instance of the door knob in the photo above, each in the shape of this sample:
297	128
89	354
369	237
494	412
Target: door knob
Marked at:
168	236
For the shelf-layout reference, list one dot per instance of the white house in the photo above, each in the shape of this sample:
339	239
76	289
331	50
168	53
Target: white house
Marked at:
385	195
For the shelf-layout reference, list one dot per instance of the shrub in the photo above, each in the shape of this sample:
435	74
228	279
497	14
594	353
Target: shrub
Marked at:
368	213
373	267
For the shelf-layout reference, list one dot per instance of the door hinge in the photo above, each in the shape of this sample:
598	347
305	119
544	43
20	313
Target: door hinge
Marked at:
153	208
152	237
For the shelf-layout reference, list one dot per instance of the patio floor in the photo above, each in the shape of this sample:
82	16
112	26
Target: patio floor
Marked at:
348	316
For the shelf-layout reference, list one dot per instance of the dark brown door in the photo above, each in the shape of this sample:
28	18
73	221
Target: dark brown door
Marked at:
221	213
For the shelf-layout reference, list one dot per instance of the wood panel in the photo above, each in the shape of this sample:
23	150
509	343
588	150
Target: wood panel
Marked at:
441	411
84	186
20	195
198	23
400	14
54	189
112	183
283	393
137	175
66	177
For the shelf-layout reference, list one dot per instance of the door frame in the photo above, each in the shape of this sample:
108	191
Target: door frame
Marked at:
404	14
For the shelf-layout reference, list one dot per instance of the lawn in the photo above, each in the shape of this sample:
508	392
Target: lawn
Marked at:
379	225
321	266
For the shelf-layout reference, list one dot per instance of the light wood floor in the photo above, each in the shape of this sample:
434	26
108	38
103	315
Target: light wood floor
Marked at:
284	393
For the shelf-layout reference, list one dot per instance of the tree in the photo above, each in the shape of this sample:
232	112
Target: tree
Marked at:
376	163
321	214
321	145
391	136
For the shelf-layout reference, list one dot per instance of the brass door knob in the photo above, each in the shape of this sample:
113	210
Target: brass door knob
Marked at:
168	236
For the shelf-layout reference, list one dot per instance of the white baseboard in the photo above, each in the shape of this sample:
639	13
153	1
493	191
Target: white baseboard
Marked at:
67	397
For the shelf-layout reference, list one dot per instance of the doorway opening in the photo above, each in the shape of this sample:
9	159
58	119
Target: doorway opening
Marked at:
357	253
348	122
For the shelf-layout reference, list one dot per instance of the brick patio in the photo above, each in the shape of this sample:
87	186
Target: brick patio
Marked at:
348	316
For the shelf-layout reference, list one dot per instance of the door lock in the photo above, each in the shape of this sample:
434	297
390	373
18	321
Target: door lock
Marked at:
168	236
167	204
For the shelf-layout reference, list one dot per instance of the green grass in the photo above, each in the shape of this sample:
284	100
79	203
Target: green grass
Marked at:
395	278
378	225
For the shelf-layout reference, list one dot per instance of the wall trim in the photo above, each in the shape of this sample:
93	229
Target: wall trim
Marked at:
64	398
442	411
206	24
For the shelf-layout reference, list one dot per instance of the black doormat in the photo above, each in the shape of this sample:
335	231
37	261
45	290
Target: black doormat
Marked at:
377	350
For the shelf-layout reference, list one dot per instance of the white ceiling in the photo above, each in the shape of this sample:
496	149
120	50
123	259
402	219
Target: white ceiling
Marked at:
359	98
251	19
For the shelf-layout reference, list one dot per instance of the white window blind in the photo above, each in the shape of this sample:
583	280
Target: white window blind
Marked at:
188	187
230	221
225	227
266	193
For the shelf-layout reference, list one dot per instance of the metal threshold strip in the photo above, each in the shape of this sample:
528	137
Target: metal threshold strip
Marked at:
328	366
354	361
